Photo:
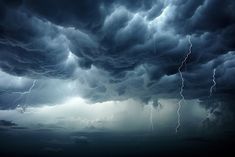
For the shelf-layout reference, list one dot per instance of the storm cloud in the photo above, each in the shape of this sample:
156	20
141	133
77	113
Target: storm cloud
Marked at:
114	50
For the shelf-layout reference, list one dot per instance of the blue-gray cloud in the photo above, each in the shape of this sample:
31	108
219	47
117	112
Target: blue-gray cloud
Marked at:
135	47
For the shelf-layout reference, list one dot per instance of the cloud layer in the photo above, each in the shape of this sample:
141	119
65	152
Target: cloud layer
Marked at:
112	50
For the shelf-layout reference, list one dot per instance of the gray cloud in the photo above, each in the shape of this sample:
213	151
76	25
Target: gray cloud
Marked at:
6	123
118	49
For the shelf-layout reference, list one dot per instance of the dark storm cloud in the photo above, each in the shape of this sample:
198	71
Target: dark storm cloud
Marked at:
31	46
139	44
6	123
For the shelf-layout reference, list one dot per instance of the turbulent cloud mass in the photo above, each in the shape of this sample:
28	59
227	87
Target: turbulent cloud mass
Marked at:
118	50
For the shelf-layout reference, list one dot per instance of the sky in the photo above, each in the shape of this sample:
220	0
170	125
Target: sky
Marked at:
164	66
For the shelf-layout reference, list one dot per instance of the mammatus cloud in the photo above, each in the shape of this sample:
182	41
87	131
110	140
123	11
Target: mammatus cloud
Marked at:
115	50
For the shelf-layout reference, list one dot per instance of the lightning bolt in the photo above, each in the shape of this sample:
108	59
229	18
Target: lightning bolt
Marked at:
182	85
25	93
214	82
29	90
151	117
211	92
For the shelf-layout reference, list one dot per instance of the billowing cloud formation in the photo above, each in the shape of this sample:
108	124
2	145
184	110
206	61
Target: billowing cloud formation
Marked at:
118	49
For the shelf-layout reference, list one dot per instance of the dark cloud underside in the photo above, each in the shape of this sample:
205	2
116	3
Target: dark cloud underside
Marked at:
138	44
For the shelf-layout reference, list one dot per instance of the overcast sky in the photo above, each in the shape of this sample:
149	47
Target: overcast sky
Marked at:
106	51
117	78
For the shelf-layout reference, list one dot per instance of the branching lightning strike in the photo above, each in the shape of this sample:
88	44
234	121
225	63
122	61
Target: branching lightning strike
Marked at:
214	82
211	91
182	85
26	92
